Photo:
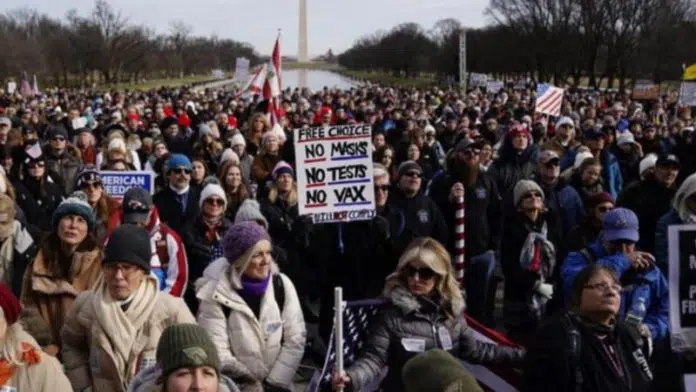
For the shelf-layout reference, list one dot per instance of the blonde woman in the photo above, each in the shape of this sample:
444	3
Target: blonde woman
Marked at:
424	311
265	161
280	205
252	312
23	366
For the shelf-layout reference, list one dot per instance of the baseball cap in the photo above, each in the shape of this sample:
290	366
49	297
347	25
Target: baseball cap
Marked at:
547	156
6	121
137	203
592	133
668	160
467	143
621	224
565	121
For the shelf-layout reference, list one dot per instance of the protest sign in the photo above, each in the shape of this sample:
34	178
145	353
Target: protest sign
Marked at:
217	74
478	79
334	173
116	183
682	286
241	69
687	94
494	86
11	87
645	90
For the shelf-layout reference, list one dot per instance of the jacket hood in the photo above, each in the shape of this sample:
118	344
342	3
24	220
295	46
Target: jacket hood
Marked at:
146	381
687	188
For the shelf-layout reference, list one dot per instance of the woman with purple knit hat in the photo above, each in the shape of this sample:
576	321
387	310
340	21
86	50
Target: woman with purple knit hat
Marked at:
252	312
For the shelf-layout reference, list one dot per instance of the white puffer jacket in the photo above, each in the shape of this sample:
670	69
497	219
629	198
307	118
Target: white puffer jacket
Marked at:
269	348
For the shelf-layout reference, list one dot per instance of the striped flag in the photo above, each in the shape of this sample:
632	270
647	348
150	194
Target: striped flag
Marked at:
356	322
272	87
256	81
460	240
549	99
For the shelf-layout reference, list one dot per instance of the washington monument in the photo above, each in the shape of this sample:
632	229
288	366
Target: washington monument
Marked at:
302	55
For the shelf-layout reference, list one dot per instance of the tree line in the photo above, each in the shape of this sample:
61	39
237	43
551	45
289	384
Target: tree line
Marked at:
559	41
105	47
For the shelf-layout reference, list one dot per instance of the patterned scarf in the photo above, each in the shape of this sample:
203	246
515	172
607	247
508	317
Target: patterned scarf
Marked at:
28	356
212	226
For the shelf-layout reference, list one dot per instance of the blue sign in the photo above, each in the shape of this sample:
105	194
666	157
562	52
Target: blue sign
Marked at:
116	183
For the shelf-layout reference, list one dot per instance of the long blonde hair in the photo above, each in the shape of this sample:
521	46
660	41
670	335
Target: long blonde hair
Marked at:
291	198
434	256
10	346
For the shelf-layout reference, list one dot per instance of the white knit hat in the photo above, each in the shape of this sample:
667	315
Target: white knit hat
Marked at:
229	155
211	187
580	158
237	139
646	163
117	145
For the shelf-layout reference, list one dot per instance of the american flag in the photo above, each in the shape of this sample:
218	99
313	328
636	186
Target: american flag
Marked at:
549	99
357	316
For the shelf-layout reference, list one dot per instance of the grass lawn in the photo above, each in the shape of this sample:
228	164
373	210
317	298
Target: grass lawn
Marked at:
156	83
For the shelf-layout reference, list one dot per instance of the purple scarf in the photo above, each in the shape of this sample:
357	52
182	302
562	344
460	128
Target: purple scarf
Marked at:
253	287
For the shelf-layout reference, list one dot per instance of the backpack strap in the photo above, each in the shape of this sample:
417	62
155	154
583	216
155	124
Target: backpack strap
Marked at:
278	291
161	247
574	342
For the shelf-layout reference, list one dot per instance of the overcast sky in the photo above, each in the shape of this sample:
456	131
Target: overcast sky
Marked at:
332	24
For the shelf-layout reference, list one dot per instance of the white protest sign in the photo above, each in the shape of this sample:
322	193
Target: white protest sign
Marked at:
217	74
478	79
241	69
11	87
687	94
682	287
334	173
494	86
116	183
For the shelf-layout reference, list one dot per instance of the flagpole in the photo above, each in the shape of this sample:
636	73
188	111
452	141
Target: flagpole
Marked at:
338	333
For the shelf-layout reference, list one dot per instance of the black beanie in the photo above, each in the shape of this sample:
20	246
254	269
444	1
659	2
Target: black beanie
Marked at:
129	244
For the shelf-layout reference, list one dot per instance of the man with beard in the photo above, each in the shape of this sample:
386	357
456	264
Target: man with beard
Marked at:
651	198
482	221
30	137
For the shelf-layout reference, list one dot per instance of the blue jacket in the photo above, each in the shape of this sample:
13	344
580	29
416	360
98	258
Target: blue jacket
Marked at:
661	247
566	201
611	173
651	285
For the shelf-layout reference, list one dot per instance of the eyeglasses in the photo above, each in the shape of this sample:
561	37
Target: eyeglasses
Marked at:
180	170
126	269
424	273
215	201
383	188
604	287
532	194
58	139
604	209
472	151
413	174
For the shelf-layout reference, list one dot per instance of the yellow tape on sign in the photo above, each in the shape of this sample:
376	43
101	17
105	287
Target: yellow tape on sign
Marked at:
690	72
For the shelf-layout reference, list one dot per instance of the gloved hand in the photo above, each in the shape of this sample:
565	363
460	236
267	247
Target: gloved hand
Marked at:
544	289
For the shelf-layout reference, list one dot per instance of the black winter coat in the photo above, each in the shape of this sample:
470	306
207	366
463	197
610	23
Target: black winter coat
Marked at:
550	364
38	201
511	167
422	216
170	209
482	212
649	200
405	327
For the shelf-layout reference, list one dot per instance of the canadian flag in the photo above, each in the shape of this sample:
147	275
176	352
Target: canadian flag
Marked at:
273	86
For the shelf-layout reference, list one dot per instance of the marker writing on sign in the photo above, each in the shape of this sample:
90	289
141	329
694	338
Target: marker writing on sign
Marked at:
688	306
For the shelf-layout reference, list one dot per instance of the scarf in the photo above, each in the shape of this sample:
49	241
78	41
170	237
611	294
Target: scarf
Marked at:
212	226
122	328
29	355
538	255
254	287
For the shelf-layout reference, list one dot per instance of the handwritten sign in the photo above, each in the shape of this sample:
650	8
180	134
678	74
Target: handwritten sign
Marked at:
478	79
334	173
646	90
241	69
494	86
116	183
682	286
687	94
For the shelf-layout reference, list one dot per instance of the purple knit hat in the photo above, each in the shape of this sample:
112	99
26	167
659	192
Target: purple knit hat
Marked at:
241	237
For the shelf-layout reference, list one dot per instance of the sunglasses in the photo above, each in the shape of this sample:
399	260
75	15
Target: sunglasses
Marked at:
413	174
471	151
383	188
424	273
215	202
91	185
58	139
180	170
37	165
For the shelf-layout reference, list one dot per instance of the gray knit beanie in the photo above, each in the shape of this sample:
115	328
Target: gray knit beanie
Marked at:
250	211
523	187
186	345
77	205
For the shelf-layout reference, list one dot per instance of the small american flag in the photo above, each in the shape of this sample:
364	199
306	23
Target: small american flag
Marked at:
357	316
549	99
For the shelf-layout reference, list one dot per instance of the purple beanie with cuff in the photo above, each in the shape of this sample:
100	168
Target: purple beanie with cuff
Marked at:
241	237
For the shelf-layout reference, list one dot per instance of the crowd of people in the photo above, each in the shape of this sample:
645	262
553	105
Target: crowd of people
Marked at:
567	215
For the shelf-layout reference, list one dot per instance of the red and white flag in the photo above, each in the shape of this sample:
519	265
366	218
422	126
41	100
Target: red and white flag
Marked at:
273	86
549	99
256	81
